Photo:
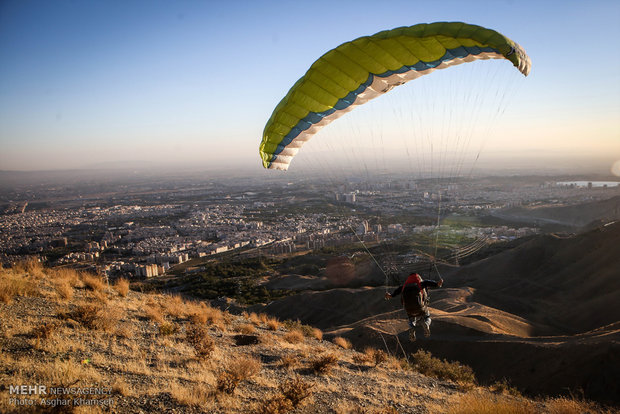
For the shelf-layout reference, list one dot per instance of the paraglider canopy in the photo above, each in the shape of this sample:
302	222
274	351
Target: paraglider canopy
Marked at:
360	70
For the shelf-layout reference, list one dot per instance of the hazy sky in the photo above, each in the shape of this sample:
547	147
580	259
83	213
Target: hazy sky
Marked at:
194	82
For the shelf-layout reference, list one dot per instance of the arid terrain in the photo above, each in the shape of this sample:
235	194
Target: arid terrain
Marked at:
106	348
543	314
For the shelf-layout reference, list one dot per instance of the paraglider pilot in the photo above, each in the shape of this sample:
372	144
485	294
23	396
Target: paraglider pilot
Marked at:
415	301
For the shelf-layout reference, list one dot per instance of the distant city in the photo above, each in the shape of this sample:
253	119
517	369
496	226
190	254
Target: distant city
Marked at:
143	227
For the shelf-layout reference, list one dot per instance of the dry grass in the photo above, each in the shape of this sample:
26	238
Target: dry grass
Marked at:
239	370
350	408
317	334
201	313
253	318
65	372
247	329
101	296
486	403
32	267
394	363
564	405
122	287
120	387
14	283
324	363
192	395
64	289
175	365
386	410
93	282
293	337
175	306
197	318
342	342
360	358
154	313
69	275
273	324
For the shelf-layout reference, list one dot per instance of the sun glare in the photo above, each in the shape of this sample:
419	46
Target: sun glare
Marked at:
615	169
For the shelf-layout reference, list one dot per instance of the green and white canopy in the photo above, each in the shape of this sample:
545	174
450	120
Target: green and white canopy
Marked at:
360	70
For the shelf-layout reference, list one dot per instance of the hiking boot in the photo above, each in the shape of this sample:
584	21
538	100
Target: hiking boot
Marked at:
412	334
427	329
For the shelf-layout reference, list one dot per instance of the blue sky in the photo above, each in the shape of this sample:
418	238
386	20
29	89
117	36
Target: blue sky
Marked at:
194	82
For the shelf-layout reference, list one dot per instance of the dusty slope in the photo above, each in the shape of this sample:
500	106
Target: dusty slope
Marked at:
528	314
61	329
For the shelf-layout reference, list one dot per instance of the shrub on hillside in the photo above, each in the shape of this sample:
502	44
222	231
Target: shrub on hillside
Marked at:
168	328
289	361
198	337
278	404
174	306
373	356
504	387
324	364
306	330
317	334
428	365
44	331
239	370
296	390
31	267
95	316
292	393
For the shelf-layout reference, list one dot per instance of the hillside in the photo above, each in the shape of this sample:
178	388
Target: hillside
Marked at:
563	285
109	349
577	216
548	299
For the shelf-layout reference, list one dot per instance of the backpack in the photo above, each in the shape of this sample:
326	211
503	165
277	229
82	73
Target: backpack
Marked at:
414	297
